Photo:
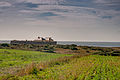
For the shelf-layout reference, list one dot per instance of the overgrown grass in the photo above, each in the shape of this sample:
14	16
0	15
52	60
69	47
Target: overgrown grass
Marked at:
43	65
94	67
52	66
10	58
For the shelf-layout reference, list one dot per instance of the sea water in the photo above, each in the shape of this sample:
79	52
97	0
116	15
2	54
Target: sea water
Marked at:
97	44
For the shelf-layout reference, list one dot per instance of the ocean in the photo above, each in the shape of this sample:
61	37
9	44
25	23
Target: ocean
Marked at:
97	44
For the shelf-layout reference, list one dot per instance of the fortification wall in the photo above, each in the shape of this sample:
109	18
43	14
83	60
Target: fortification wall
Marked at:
33	42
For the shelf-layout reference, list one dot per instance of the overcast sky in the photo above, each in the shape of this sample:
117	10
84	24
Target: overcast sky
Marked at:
68	20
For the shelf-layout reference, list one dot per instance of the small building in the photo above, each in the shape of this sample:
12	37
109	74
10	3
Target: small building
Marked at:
40	39
49	39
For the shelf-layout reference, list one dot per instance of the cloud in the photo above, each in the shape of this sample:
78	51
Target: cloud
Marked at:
69	21
99	8
100	1
5	4
47	14
57	10
42	1
107	1
46	8
82	17
107	17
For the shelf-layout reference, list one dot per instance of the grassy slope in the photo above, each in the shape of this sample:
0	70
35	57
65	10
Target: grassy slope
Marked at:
94	67
12	58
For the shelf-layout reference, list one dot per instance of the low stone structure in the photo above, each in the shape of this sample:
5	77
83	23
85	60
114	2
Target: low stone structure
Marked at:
40	41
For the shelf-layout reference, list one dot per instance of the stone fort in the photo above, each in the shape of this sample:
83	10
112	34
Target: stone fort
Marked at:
39	40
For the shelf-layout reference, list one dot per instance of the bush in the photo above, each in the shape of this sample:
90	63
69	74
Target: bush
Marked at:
34	71
72	46
116	51
5	45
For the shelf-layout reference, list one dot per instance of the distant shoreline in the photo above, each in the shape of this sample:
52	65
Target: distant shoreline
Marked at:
81	43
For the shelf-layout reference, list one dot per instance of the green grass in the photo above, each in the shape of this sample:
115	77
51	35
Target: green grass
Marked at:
94	67
13	58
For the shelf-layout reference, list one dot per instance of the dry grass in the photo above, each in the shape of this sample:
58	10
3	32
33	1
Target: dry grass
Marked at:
43	65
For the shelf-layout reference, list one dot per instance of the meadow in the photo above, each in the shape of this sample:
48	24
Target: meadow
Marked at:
93	67
11	59
67	62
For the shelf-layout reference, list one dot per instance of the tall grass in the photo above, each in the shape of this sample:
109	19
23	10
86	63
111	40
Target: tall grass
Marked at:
92	67
43	65
12	60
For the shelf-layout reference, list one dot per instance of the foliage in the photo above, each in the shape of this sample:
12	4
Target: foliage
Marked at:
102	50
72	46
33	47
4	45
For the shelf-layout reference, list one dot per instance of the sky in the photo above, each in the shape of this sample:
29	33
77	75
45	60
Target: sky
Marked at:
63	20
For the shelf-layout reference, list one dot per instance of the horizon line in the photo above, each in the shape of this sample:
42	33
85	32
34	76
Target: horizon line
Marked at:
62	40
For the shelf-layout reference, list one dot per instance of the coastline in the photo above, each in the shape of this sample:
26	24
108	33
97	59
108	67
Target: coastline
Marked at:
81	43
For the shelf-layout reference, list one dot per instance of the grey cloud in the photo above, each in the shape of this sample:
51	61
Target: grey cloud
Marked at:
106	1
42	1
5	4
80	17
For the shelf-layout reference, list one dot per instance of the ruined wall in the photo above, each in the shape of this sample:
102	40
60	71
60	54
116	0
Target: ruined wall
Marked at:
33	42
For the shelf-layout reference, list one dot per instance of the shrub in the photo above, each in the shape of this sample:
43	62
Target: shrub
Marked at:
5	45
34	71
74	48
116	51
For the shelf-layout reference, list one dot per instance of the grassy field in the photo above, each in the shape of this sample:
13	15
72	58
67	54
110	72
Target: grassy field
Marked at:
53	66
94	67
11	59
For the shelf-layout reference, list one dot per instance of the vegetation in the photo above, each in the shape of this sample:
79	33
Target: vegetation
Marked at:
94	67
71	49
4	45
72	46
10	58
32	47
102	50
58	62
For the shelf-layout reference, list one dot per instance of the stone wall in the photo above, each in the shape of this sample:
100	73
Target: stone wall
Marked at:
34	42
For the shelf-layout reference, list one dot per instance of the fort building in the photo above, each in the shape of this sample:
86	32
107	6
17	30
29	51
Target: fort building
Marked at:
39	40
